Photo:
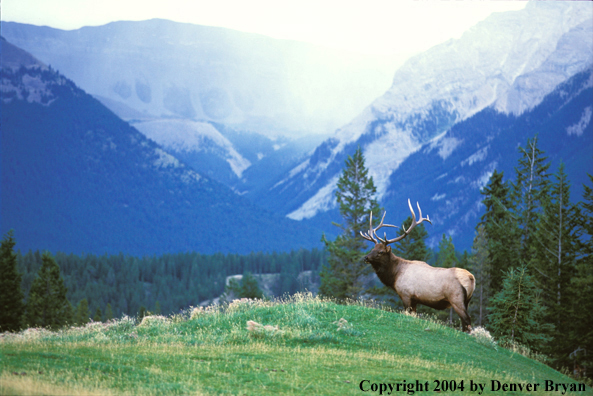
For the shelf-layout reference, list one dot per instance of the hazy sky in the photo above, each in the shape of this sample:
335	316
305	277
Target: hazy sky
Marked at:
370	26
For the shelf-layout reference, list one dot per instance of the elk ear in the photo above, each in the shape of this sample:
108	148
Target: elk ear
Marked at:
388	249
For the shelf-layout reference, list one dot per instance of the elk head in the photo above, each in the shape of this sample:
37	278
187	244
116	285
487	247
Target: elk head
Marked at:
381	253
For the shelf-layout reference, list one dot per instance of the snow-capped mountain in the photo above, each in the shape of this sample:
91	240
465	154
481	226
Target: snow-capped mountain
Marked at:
242	160
76	178
199	144
448	184
161	68
508	62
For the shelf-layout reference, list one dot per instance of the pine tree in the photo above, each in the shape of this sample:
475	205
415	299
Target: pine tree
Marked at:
82	312
342	277
479	266
98	315
47	305
586	219
11	294
529	190
289	278
157	308
463	260
413	247
108	313
582	322
500	226
250	287
516	312
446	257
142	312
554	257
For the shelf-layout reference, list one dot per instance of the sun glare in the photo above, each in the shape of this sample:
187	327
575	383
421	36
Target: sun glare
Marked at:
373	26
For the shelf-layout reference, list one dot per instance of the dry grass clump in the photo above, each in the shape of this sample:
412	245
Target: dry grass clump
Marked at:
484	337
258	329
153	319
342	324
195	312
246	304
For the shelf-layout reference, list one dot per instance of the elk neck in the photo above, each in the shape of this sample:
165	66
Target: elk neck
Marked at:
388	269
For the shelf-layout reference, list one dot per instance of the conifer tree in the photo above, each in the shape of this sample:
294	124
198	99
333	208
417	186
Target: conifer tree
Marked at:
500	226
413	247
82	312
479	266
554	256
108	313
446	257
288	278
250	287
11	294
586	219
356	192
529	190
516	312
142	312
463	261
47	305
581	330
98	315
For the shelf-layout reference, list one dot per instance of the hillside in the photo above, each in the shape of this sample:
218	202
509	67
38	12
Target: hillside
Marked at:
76	178
310	347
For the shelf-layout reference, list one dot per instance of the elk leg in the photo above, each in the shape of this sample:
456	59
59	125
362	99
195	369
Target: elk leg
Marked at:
466	321
409	304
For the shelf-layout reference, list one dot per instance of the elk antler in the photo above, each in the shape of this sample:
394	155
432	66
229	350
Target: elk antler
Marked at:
369	235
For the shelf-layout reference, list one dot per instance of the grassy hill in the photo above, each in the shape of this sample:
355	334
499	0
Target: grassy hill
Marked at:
310	346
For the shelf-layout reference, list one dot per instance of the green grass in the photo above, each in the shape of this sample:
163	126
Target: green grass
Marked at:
312	352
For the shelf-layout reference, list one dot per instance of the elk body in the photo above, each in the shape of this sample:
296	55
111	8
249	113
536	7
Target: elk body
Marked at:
417	282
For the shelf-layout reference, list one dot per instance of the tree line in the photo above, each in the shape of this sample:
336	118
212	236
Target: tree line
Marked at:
41	289
531	257
532	254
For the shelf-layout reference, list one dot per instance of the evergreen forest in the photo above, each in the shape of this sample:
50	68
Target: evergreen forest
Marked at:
531	257
163	284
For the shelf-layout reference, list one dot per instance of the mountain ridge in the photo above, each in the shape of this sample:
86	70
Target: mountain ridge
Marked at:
249	81
390	129
77	178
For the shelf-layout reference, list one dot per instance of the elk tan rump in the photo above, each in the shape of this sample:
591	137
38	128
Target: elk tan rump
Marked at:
467	280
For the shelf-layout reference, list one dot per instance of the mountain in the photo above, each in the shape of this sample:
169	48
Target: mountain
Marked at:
242	160
446	174
162	68
507	65
76	178
190	88
198	144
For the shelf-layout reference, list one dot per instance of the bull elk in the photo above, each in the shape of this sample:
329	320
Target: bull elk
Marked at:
415	281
